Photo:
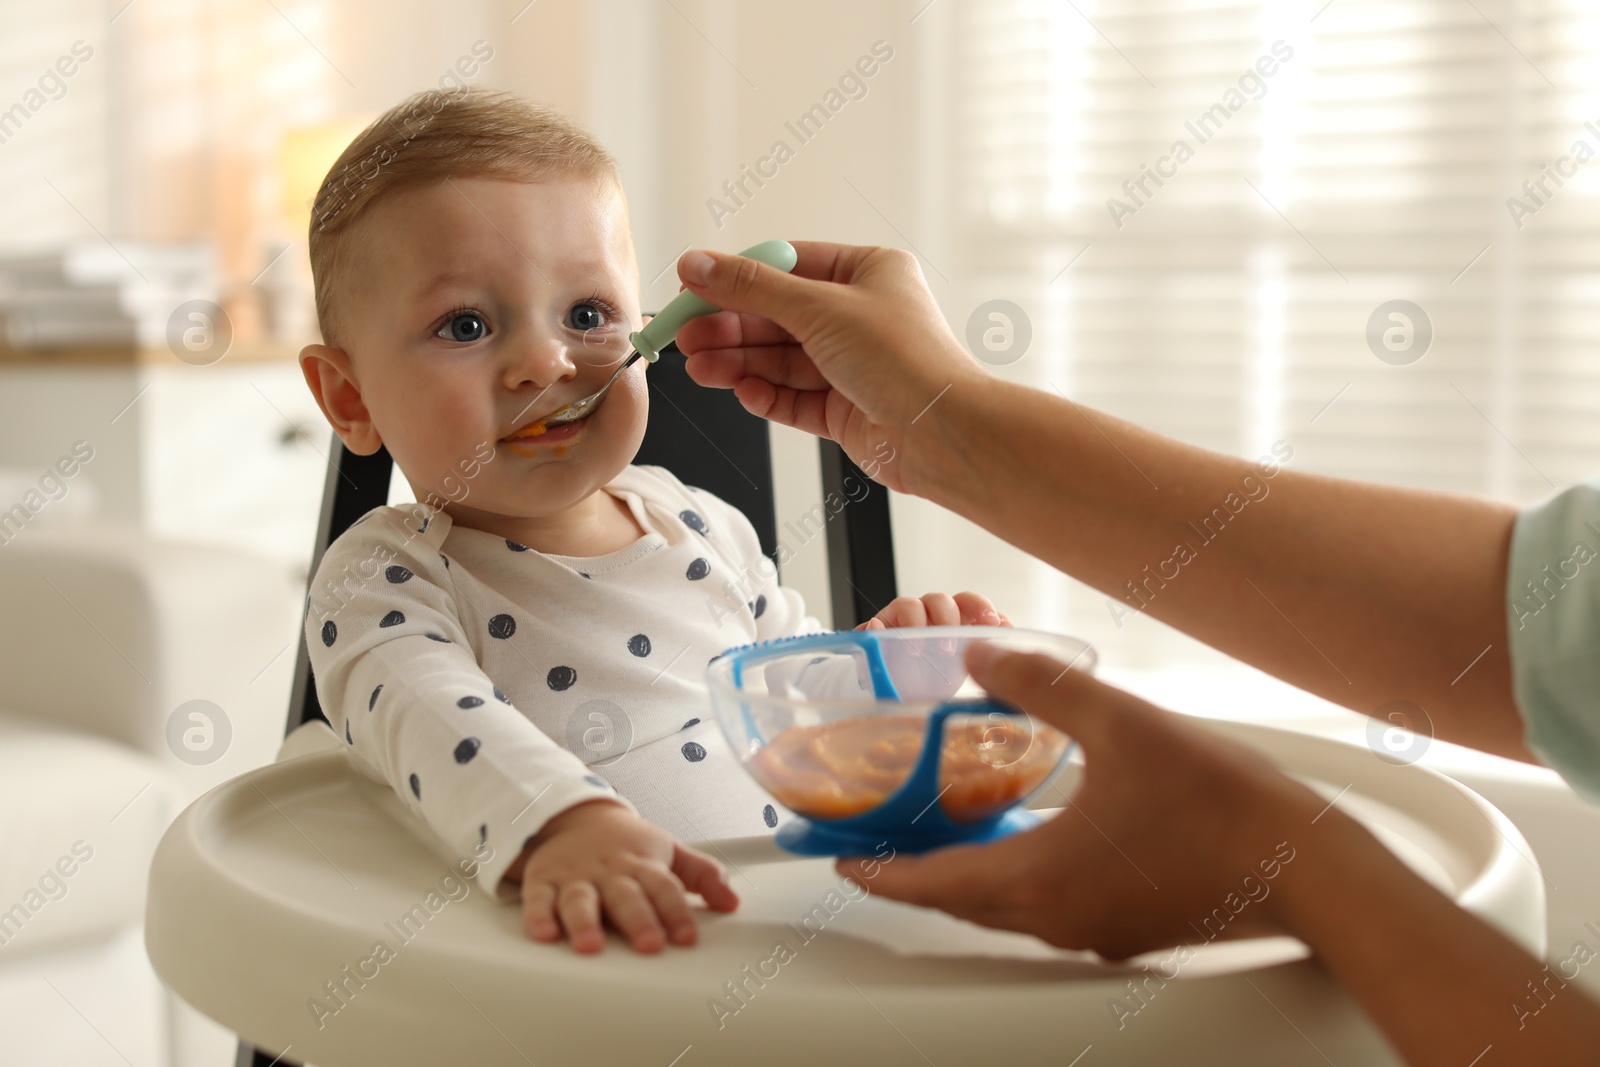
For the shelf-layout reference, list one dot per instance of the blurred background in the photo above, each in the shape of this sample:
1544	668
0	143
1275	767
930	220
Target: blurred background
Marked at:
1338	156
1227	306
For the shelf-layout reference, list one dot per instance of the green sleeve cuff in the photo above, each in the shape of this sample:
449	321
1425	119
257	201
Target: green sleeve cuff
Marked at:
1553	606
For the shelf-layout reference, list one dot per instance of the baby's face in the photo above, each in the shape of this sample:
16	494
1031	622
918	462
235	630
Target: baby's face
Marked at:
480	306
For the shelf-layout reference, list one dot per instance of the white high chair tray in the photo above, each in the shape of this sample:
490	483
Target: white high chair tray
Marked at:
270	885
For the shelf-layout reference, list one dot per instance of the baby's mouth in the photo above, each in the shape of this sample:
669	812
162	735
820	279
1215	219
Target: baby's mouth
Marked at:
539	432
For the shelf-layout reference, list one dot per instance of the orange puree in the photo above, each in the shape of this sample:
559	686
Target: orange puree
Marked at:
533	429
847	767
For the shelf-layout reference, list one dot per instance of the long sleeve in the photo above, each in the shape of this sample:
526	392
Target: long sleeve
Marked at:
398	680
1553	602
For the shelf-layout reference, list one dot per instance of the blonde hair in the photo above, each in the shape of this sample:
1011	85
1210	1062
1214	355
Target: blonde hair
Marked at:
465	132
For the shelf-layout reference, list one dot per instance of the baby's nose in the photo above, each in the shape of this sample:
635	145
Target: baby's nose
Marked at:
542	361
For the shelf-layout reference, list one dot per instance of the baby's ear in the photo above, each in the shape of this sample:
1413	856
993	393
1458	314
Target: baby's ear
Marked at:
329	376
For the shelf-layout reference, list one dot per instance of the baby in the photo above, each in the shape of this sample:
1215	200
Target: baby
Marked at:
521	654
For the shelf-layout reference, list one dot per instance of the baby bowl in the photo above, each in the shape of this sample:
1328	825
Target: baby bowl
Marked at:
880	736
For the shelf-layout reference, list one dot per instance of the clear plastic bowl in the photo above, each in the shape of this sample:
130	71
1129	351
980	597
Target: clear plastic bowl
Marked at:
837	727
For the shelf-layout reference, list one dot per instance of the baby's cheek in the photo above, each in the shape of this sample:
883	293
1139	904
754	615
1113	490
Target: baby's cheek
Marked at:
632	412
458	465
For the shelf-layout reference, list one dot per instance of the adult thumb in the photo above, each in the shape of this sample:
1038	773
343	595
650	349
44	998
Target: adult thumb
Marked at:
946	878
735	283
1051	690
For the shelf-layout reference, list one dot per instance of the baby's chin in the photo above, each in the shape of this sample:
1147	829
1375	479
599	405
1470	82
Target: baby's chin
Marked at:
549	480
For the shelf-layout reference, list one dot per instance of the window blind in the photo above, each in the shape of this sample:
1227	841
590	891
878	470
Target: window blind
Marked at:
1228	302
1334	157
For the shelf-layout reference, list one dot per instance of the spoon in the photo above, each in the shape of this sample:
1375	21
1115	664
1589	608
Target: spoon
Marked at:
660	331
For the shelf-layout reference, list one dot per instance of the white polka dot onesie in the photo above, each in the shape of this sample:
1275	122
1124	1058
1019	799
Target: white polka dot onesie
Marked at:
494	686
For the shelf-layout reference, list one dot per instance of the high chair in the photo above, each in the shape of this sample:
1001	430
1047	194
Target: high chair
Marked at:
270	895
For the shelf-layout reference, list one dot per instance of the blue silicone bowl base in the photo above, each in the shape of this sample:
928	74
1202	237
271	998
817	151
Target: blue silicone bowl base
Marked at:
806	838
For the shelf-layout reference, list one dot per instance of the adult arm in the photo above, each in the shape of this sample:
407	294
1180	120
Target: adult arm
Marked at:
1358	592
1179	825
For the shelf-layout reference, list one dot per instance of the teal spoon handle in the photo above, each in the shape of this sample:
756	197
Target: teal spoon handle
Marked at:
661	329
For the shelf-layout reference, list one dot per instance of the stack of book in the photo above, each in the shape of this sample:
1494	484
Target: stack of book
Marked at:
93	294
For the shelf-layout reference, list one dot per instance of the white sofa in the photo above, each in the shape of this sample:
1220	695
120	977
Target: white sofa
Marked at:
104	632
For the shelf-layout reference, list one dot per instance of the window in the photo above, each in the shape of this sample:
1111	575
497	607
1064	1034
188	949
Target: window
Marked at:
1200	207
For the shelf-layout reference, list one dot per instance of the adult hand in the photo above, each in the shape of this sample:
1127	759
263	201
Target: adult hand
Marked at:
850	346
1169	824
1176	837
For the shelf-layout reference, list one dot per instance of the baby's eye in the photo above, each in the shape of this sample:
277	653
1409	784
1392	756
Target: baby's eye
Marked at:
586	317
464	326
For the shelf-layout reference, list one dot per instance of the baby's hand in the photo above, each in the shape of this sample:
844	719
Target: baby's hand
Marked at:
599	856
937	609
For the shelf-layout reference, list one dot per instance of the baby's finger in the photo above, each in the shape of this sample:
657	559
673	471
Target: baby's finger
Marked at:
672	906
631	912
904	611
538	906
701	874
978	610
578	904
940	610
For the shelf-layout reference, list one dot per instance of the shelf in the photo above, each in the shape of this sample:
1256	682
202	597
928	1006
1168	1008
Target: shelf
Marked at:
264	351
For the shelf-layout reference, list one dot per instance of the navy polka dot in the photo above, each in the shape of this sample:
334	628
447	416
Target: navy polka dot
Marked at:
439	637
347	731
594	780
416	786
329	632
584	573
561	678
467	749
501	696
694	751
639	645
502	626
693	521
394	618
397	574
698	569
424	527
469	702
372	700
483	832
769	815
446	560
760	606
515	546
688	724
